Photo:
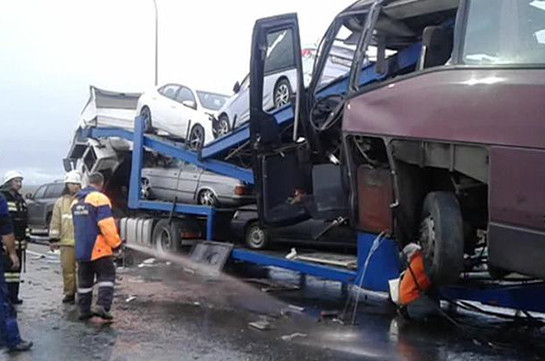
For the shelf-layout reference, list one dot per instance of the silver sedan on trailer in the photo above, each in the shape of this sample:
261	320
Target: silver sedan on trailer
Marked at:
188	183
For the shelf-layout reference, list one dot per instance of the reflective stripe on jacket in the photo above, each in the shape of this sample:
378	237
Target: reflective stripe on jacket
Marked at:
19	214
415	281
94	227
6	226
61	227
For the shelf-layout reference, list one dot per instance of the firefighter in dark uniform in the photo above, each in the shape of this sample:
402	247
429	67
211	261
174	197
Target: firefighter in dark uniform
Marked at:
13	181
9	330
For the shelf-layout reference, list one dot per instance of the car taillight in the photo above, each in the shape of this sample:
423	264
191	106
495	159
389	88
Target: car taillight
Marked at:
241	190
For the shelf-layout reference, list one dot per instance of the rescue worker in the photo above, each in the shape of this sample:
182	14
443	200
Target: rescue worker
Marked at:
96	238
9	330
61	234
415	286
13	181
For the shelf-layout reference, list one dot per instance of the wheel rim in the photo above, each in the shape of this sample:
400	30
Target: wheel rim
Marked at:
164	243
196	138
145	190
427	236
256	237
282	96
223	127
207	198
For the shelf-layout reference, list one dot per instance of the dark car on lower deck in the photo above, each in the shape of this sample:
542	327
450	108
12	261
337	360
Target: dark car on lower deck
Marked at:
312	233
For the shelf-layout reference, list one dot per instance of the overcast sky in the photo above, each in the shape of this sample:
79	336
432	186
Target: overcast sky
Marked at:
51	51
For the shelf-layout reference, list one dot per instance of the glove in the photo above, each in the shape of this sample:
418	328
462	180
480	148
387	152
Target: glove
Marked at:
410	250
53	244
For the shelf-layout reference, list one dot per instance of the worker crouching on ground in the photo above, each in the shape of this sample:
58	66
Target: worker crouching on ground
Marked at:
9	330
96	238
61	234
413	290
13	182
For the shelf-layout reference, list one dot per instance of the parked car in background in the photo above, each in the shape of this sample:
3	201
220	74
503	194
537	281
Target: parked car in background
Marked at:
336	232
188	183
40	205
181	111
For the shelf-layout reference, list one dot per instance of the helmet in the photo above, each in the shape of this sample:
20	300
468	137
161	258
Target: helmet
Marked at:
11	175
72	177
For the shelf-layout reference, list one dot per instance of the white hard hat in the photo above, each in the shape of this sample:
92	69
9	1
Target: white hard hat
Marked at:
72	177
11	175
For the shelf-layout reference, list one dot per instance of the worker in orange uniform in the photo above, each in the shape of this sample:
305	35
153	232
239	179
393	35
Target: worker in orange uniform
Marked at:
415	286
96	239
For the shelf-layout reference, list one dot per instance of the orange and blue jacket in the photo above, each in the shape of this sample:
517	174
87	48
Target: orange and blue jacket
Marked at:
94	226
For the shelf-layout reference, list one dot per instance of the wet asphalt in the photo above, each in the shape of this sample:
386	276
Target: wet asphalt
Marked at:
165	311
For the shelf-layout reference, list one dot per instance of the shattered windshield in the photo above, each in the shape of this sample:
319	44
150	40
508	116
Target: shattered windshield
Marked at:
211	101
340	56
505	32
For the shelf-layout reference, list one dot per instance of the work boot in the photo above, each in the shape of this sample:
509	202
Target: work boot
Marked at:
85	315
21	346
69	299
102	313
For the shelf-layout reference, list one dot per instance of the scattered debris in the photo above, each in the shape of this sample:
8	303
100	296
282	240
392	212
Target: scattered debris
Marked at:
272	286
149	261
292	255
196	303
322	258
262	325
129	299
189	270
292	336
291	309
280	288
296	308
168	263
329	314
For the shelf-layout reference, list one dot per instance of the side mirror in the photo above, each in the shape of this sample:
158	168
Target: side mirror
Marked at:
236	87
28	196
189	104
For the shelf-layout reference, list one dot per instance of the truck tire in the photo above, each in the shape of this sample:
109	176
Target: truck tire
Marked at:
167	237
255	237
441	236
